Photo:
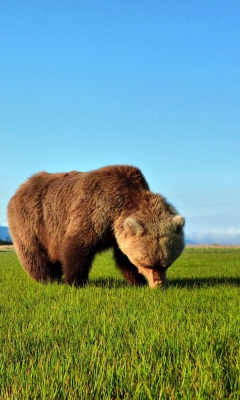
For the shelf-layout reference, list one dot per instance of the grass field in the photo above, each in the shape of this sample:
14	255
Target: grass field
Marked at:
112	341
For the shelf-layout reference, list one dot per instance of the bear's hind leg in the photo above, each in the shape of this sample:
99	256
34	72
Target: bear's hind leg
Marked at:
129	271
36	262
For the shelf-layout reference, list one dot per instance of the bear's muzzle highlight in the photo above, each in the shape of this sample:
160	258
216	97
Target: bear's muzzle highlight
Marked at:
155	278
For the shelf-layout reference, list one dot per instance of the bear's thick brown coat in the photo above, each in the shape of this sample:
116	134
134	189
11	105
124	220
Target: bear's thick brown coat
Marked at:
58	222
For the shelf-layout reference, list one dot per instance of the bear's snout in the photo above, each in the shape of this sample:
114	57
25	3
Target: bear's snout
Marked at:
156	278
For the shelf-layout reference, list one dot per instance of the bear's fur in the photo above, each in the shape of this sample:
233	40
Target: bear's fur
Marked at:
58	222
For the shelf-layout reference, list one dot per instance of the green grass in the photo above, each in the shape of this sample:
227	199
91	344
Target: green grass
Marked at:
112	341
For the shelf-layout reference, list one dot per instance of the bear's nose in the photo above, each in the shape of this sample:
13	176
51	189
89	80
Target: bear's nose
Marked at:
156	278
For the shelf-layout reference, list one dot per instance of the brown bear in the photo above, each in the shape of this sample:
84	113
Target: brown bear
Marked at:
58	222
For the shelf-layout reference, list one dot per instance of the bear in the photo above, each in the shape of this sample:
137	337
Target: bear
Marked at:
59	221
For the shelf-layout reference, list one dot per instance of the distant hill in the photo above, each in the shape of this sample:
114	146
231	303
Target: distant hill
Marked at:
4	233
189	242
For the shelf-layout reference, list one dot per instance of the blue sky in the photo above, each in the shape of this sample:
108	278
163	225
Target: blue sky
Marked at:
154	84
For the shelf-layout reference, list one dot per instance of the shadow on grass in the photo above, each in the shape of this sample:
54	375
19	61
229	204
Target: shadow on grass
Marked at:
113	283
211	281
110	283
117	283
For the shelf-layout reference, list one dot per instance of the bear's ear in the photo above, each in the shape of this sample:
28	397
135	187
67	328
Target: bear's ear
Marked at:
179	222
132	227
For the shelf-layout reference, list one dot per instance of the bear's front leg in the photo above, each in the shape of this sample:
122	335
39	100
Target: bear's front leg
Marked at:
76	262
129	271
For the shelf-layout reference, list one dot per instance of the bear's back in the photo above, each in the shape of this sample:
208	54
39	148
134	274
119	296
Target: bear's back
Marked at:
114	177
57	192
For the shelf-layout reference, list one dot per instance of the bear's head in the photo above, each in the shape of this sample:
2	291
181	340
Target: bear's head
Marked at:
152	238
